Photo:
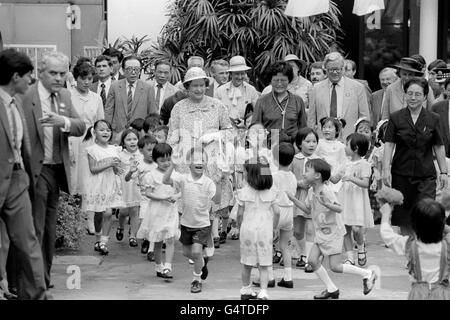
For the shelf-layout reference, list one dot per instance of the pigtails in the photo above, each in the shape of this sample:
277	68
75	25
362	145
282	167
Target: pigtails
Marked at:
89	134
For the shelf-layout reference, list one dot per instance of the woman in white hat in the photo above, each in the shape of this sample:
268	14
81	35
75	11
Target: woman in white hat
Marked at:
237	93
299	85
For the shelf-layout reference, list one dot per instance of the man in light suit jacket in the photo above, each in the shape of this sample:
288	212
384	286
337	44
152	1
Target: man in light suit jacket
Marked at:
129	98
25	263
387	76
442	109
348	101
163	88
51	119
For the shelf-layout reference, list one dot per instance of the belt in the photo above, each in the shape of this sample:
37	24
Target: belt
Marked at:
17	166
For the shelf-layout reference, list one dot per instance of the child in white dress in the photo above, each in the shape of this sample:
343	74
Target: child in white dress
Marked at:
306	141
161	222
321	203
102	187
257	217
331	149
146	145
131	194
354	197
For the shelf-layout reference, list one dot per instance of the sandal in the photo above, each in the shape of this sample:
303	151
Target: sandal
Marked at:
97	246
362	258
167	274
133	242
103	249
119	234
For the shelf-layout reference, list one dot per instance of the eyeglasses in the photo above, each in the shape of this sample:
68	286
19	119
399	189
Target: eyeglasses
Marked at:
334	70
414	94
133	69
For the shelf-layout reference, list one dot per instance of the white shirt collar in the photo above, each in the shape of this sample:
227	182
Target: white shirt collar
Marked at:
107	82
163	86
340	83
133	85
7	99
43	92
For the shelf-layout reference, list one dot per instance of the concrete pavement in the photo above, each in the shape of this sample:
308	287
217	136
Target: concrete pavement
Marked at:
126	274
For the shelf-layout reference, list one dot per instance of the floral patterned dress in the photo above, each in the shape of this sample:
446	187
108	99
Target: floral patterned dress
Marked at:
188	122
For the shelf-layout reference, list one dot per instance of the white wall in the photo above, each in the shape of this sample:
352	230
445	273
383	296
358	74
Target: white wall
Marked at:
136	17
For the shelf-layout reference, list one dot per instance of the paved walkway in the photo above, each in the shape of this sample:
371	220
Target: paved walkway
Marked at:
126	274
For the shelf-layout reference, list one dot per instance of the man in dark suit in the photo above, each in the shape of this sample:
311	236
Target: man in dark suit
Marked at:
51	119
25	260
442	109
129	98
103	65
116	58
387	76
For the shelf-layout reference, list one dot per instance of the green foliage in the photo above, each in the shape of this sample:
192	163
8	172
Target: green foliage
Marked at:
261	32
69	223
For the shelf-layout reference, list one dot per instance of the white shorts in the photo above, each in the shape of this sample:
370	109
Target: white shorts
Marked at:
286	222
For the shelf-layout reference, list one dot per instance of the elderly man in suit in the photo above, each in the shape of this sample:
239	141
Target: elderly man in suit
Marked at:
442	109
129	98
103	66
337	96
387	76
51	119
15	206
163	88
395	97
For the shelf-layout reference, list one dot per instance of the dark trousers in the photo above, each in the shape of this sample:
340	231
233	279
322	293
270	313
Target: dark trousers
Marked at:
45	205
413	190
25	252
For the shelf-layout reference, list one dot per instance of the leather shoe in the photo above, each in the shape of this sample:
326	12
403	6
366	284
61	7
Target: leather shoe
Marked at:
287	284
251	296
145	246
327	295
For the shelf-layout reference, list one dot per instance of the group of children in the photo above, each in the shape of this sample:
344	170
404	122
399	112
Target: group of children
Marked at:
319	191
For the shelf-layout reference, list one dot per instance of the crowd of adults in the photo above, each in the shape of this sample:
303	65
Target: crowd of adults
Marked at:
42	126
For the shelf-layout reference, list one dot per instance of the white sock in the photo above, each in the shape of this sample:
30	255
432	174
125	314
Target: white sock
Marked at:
323	275
288	274
361	248
151	247
197	277
168	266
346	268
215	227
350	255
308	247
159	267
104	239
271	276
209	251
247	290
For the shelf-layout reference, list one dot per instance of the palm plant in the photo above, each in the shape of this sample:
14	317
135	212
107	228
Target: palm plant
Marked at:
133	45
261	32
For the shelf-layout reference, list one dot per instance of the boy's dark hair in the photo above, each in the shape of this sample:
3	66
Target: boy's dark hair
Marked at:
88	135
359	142
162	128
83	70
113	52
338	123
161	150
284	137
151	122
12	61
258	172
428	220
137	124
146	140
302	134
284	153
125	133
320	166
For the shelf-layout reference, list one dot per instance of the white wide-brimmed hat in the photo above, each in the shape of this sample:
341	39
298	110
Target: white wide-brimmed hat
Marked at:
194	73
301	64
237	63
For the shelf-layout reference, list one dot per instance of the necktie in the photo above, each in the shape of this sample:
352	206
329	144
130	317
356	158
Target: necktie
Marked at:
56	133
103	94
333	104
158	95
130	98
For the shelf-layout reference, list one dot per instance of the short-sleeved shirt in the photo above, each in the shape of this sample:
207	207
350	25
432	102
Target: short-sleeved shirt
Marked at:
196	199
414	142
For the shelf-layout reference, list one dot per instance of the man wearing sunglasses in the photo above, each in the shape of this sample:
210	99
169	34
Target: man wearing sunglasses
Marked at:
129	98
